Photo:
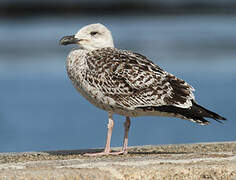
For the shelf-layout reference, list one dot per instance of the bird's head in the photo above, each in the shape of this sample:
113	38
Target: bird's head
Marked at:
90	37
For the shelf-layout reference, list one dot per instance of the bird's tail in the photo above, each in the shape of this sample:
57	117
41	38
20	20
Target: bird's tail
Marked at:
202	112
195	113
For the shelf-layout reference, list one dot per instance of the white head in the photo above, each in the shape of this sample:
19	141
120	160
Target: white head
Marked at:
90	37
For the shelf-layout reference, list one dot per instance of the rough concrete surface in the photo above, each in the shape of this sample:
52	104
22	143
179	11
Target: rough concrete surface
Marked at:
187	161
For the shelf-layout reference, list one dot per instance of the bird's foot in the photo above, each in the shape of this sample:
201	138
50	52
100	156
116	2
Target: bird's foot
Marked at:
104	153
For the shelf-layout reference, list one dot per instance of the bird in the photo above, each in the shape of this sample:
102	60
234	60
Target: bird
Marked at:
127	83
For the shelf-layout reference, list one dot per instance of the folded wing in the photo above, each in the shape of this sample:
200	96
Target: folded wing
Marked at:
134	81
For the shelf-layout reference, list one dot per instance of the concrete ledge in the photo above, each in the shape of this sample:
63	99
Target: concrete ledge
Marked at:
189	161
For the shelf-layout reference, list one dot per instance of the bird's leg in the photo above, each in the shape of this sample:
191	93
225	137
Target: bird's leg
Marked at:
125	144
110	126
107	149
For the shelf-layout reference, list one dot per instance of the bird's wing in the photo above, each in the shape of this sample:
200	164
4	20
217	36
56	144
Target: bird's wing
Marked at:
132	80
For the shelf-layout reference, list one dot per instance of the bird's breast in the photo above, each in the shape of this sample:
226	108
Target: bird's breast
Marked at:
77	71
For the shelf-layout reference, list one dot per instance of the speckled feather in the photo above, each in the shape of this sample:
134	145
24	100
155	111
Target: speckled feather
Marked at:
129	84
133	81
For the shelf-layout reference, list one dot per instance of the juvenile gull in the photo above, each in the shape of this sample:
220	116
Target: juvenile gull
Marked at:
127	83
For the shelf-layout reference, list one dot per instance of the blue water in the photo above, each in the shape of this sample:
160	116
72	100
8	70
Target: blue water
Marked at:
40	109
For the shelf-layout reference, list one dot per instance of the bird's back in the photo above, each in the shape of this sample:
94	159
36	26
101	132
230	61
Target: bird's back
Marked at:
125	80
129	84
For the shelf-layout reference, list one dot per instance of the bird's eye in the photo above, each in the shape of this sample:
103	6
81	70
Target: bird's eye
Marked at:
93	33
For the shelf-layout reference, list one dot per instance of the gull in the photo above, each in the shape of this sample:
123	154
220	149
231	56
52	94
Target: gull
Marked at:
127	83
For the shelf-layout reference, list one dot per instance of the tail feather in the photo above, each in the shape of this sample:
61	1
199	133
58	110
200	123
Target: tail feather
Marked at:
207	113
196	113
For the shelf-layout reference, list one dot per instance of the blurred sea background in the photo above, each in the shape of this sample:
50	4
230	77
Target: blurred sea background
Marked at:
40	109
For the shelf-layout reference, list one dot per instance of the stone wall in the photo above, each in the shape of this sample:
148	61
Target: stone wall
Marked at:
189	161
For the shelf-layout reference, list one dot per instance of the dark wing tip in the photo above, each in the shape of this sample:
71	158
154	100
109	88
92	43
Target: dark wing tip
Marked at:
207	113
218	118
222	118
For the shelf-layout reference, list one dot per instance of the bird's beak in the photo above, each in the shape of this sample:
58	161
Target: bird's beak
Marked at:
69	40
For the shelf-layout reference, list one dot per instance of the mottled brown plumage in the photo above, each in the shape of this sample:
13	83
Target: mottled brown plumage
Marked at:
133	81
127	83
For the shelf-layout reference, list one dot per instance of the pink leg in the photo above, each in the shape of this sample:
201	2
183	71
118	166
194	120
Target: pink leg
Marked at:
110	126
127	126
125	142
107	149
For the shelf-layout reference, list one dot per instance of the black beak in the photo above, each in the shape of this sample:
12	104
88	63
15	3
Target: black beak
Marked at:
69	40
